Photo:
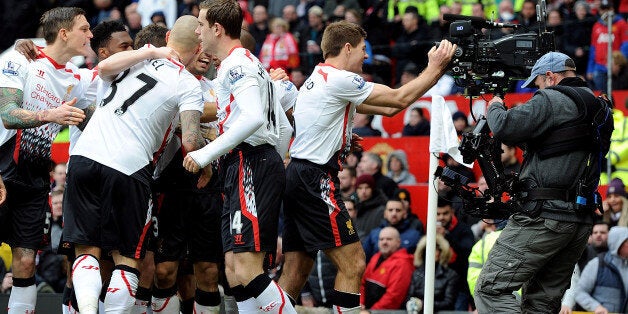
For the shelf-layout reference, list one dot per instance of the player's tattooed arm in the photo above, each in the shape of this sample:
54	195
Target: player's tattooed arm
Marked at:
191	137
89	111
15	117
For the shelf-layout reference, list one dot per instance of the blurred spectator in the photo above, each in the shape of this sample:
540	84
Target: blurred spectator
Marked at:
353	16
347	180
618	151
371	164
481	249
413	43
280	48
310	39
158	18
133	20
396	9
509	159
387	276
332	5
506	12
460	122
620	71
398	168
439	28
58	176
395	216
56	223
577	40
105	11
616	204
445	279
415	222
370	206
275	7
259	29
418	124
555	24
527	18
567	9
460	237
298	77
146	8
7	283
603	284
362	125
596	69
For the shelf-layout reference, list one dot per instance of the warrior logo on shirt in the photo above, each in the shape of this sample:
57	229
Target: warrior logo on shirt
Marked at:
358	81
10	68
235	74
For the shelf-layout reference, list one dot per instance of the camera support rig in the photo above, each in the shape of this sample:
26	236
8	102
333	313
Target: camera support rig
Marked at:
481	66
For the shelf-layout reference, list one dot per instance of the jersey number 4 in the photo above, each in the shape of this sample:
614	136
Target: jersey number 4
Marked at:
149	83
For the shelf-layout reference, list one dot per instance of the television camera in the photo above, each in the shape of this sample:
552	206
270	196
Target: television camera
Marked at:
482	65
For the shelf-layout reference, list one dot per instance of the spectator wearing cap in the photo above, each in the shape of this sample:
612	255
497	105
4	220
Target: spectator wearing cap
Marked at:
398	168
371	205
404	196
395	216
598	52
418	124
616	204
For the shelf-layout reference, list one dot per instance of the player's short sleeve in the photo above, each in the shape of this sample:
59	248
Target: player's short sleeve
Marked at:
190	94
351	87
240	77
287	93
89	84
14	70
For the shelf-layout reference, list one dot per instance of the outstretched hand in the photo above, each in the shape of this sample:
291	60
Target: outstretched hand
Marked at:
66	114
441	55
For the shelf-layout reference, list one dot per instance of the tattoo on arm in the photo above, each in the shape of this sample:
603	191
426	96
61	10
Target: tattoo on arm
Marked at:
89	111
14	117
191	129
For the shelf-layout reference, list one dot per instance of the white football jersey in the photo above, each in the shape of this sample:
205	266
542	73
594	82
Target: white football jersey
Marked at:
132	121
91	96
173	143
323	115
241	70
45	84
286	93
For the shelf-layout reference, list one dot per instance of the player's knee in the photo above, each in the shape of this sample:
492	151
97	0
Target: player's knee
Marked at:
207	273
165	275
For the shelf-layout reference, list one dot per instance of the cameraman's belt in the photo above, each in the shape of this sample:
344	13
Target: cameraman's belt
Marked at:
551	194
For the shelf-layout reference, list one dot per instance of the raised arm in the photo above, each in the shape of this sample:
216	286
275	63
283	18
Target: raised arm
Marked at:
117	63
14	117
404	96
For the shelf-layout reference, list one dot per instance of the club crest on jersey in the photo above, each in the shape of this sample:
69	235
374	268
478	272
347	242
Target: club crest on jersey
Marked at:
235	74
68	91
10	68
287	85
358	81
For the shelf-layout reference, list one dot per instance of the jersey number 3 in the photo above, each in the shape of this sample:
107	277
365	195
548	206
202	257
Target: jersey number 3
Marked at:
149	83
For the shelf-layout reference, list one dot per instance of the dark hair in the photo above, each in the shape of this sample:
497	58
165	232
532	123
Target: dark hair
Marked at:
151	34
102	33
227	13
337	34
443	202
55	19
351	170
418	110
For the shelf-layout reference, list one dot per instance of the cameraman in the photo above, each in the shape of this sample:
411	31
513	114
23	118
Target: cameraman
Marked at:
539	247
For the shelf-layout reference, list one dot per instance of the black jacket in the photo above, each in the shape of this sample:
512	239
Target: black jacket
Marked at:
445	290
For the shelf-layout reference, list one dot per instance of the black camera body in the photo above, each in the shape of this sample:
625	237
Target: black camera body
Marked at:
483	65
